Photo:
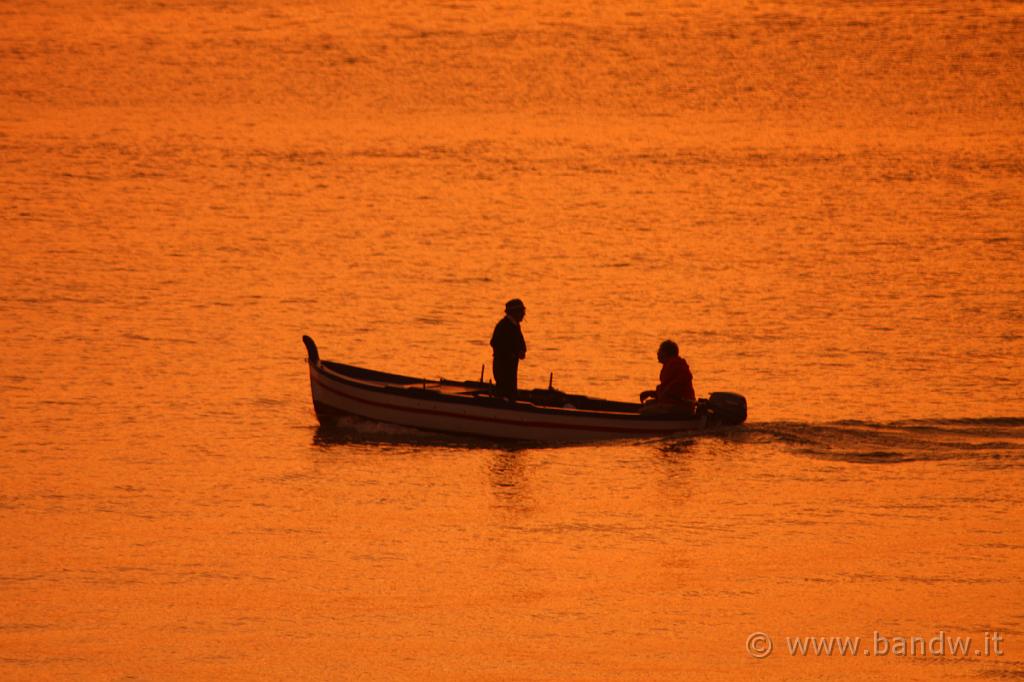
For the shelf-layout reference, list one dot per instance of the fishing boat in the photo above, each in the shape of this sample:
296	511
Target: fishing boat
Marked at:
470	408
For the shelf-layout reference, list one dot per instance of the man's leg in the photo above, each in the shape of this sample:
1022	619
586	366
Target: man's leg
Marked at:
504	381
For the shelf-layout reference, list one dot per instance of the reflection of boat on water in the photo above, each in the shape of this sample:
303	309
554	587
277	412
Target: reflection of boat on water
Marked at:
469	408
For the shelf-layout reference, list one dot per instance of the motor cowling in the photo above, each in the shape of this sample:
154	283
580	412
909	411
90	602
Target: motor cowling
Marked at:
727	408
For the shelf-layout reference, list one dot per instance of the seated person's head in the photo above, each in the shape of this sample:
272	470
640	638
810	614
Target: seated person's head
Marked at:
667	349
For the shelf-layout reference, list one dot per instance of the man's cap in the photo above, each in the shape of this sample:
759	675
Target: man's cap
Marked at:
514	304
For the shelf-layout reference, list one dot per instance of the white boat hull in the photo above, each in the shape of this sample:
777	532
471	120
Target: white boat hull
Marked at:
335	395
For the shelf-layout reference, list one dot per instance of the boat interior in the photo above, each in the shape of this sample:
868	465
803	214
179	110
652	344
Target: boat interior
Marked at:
540	397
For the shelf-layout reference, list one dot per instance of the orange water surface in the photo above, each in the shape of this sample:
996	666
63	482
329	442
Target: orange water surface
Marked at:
820	201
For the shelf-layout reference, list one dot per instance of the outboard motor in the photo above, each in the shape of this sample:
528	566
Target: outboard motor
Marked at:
727	408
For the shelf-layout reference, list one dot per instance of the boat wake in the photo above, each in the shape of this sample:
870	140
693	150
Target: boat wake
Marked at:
994	442
991	443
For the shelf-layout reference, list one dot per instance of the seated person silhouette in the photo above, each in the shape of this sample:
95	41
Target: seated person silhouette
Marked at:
674	395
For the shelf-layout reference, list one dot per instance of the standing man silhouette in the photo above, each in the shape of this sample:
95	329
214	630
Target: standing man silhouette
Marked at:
509	348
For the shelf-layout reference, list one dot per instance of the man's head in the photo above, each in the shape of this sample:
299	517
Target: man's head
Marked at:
515	309
667	349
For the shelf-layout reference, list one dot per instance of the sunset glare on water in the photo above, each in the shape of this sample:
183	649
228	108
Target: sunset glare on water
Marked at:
821	202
